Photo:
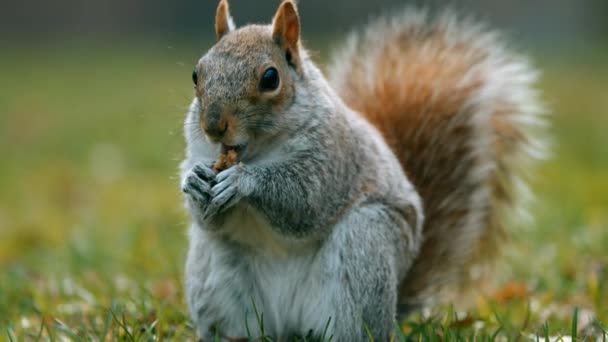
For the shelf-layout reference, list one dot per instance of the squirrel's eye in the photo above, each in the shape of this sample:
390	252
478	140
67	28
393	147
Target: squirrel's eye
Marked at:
270	79
194	77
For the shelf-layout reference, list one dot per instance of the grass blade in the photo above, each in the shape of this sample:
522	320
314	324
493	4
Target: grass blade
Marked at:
574	332
247	328
368	332
9	334
66	330
218	338
49	331
260	318
325	330
41	328
400	335
107	324
122	323
495	334
602	328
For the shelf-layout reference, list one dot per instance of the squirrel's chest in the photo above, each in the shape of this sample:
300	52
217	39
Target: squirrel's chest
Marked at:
246	226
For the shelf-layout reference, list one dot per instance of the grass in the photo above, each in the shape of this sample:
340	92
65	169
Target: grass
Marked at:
92	233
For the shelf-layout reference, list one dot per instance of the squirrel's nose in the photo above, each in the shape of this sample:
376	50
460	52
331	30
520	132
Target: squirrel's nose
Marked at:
215	120
215	129
215	125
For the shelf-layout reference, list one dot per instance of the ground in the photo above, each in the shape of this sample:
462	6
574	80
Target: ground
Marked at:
93	234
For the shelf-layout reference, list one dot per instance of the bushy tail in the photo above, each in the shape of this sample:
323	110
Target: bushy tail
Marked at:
460	112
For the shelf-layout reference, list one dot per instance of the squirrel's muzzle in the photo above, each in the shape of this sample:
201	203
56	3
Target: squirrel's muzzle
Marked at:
215	123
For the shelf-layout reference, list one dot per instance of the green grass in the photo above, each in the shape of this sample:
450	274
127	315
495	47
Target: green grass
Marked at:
92	233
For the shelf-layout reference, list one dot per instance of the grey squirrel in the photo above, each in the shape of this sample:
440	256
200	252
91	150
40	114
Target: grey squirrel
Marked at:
351	199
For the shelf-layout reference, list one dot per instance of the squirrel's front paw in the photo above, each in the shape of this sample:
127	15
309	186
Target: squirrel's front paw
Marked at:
232	185
198	183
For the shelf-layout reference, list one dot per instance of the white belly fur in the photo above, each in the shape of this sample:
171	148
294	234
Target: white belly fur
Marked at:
291	285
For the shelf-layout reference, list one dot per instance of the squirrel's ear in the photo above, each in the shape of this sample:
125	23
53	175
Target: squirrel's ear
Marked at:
223	20
286	29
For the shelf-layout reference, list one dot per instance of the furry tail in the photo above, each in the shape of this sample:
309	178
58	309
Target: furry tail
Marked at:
460	112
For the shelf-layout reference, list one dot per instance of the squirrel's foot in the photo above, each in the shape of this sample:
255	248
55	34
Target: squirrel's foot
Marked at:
231	187
198	184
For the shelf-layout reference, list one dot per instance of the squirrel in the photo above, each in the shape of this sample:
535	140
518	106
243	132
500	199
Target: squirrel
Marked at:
357	197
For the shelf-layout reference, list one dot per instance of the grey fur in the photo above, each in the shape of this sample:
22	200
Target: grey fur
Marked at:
339	222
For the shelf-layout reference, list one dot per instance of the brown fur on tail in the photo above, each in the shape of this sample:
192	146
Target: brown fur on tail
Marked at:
458	110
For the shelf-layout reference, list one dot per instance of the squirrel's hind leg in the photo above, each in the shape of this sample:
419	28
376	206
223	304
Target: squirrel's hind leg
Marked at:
370	256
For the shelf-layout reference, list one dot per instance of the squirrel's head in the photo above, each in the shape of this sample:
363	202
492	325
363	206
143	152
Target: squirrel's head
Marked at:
246	81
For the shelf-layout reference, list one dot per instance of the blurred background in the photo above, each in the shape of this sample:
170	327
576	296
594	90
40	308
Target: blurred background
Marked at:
92	99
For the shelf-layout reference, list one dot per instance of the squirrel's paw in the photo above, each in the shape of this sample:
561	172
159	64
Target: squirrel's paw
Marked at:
231	187
198	184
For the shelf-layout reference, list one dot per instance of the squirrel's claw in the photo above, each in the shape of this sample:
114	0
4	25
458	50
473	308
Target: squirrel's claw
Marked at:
226	193
197	184
204	172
